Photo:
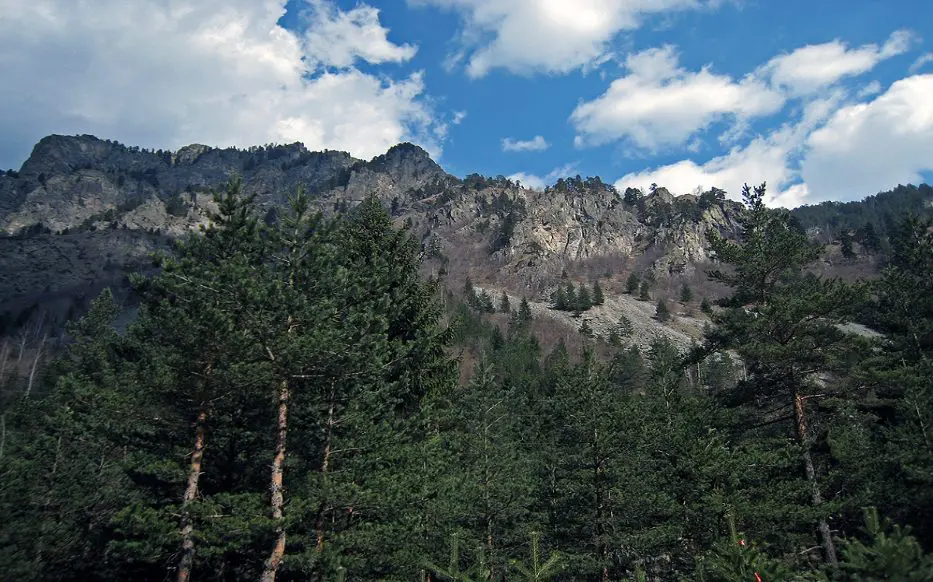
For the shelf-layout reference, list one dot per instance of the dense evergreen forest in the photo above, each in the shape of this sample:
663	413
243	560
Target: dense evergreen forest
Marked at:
287	405
869	221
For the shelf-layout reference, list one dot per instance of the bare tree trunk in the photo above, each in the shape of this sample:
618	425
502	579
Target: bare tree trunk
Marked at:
826	538
186	560
35	365
23	336
2	433
40	545
4	356
278	467
325	467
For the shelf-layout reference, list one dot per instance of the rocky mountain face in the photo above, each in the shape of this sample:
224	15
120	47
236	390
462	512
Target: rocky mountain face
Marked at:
82	212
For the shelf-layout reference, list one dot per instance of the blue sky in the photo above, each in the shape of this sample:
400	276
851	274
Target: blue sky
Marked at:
824	100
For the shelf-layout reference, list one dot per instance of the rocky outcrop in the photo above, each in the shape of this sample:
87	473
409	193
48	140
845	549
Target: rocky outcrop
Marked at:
88	189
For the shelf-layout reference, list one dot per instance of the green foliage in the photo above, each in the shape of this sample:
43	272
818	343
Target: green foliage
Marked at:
175	206
630	468
632	283
881	211
536	570
504	306
643	291
890	554
598	296
686	294
662	313
738	559
845	240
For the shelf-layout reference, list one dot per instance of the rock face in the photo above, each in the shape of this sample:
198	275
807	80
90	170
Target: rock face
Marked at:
74	194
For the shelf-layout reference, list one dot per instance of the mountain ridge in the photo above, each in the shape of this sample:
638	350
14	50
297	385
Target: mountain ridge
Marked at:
73	192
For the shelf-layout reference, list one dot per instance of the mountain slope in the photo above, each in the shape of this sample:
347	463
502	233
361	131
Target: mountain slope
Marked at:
93	209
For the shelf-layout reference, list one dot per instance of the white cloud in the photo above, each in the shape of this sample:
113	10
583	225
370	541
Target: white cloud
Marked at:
536	144
221	72
459	116
536	182
922	61
660	104
813	67
838	150
338	39
868	147
873	88
547	36
764	159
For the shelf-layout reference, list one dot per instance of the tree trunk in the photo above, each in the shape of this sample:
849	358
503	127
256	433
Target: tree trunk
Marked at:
40	545
2	433
4	356
278	468
186	560
22	347
826	538
325	467
35	365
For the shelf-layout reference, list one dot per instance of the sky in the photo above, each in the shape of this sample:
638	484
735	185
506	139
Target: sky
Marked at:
821	99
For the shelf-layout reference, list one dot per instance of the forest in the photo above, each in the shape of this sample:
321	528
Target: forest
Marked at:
288	405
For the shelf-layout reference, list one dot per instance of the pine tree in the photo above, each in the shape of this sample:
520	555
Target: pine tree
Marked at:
559	299
390	367
583	300
632	284
738	559
845	238
897	374
686	294
782	322
524	313
483	302
869	237
538	571
585	329
61	470
643	294
891	554
598	297
662	313
614	339
504	306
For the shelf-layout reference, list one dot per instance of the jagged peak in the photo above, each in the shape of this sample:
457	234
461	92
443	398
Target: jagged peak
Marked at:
407	149
405	156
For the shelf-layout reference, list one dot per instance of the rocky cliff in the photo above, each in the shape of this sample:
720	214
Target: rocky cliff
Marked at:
83	211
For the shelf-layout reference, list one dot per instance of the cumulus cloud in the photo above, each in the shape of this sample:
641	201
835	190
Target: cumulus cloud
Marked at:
838	150
222	72
839	143
764	159
868	147
338	39
536	144
547	36
811	68
660	104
